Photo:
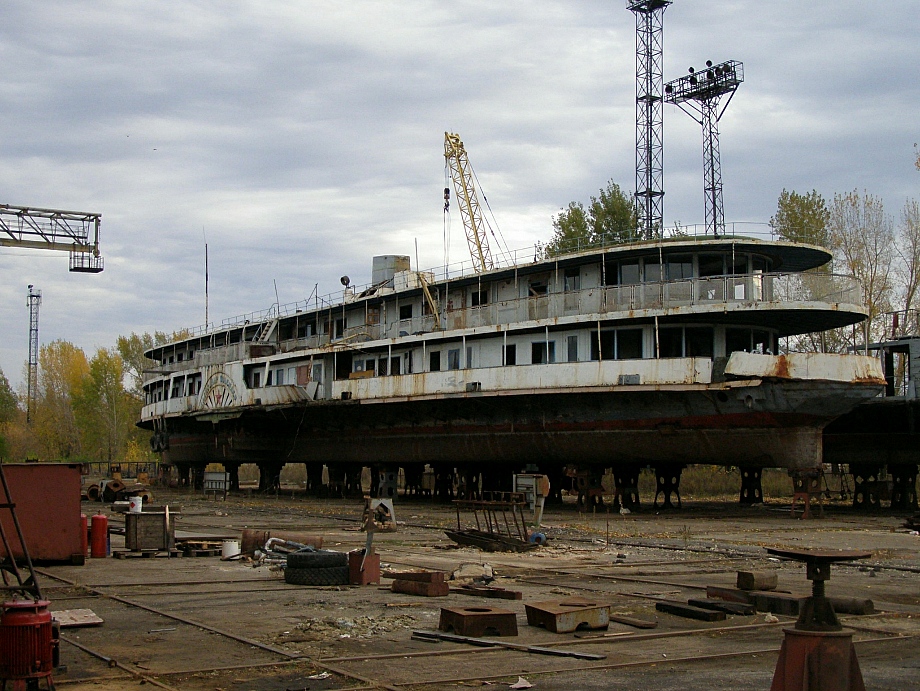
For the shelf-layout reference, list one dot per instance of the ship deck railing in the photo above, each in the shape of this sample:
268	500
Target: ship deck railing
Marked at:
755	289
776	288
454	271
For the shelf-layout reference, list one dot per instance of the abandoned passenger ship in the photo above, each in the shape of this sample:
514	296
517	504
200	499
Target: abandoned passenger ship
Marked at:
654	353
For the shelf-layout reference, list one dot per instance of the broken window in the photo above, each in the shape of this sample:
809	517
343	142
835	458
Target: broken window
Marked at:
453	358
629	344
542	353
510	354
572	279
405	312
434	361
536	288
479	297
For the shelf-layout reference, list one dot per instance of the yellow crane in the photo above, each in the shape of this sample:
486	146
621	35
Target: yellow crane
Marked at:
468	200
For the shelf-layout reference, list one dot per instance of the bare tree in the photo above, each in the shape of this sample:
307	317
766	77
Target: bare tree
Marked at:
863	239
908	268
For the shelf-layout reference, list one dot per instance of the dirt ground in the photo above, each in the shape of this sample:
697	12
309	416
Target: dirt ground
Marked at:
204	623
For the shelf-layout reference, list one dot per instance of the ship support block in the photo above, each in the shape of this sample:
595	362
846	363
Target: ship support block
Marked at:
626	479
667	479
904	487
751	487
866	486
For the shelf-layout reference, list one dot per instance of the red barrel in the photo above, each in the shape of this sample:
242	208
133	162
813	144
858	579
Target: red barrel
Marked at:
99	536
84	533
26	647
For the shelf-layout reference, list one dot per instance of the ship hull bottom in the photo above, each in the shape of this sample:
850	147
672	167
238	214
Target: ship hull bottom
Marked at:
766	424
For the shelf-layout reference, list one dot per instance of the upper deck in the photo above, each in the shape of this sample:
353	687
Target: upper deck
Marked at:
732	280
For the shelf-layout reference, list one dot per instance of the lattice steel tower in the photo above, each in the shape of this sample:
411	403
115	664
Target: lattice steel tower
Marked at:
35	300
702	92
649	118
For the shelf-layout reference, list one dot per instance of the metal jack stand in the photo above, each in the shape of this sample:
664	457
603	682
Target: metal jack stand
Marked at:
818	654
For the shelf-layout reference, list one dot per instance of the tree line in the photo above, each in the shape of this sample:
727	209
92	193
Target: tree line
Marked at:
85	408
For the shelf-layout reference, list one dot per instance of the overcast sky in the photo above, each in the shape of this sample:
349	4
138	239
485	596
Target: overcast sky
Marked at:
302	138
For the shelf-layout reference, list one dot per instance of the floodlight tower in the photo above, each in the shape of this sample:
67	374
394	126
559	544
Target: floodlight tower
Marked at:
35	300
699	94
649	118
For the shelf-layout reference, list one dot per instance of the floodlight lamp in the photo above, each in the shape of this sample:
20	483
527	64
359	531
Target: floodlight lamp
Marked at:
709	63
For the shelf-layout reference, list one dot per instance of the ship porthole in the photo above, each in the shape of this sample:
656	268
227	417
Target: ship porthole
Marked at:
722	396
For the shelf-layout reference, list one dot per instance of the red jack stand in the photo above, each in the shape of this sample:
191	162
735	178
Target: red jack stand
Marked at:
818	654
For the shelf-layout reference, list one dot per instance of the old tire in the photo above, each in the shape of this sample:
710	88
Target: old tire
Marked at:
332	575
320	559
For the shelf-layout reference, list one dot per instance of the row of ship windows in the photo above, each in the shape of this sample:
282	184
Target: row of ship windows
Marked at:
613	344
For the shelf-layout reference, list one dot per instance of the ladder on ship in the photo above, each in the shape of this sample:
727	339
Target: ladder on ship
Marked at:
16	579
266	329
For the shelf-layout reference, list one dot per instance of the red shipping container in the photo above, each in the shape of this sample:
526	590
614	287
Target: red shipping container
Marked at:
47	499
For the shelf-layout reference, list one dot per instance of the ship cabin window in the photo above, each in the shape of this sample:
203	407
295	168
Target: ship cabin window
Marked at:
317	374
370	366
180	357
652	271
759	265
571	343
453	358
618	344
537	287
680	268
395	365
572	280
749	340
256	379
542	352
510	354
629	344
306	329
711	265
407	362
193	385
685	342
434	361
629	273
373	315
178	385
405	312
736	265
478	298
269	378
469	358
382	365
279	377
339	328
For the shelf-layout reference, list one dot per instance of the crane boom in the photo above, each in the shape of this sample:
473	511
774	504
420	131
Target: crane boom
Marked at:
468	200
75	232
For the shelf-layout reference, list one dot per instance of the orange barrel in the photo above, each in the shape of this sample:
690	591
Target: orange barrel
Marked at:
99	540
84	533
26	645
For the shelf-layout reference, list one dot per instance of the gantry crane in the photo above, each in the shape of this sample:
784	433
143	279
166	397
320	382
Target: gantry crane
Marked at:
75	232
468	200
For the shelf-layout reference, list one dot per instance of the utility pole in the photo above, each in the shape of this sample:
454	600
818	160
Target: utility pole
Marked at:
649	117
34	301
